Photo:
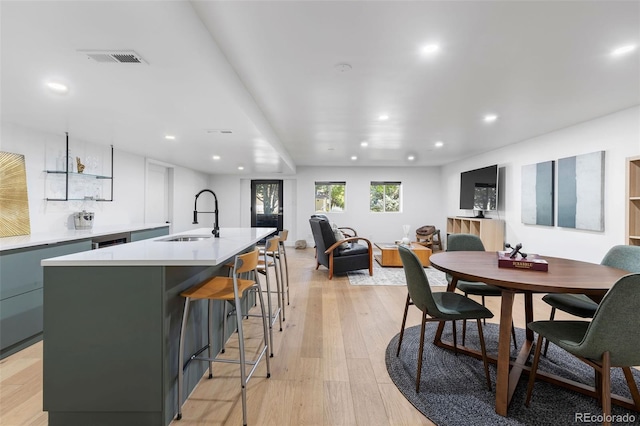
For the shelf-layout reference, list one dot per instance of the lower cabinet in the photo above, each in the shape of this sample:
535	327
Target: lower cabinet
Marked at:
21	288
21	293
149	233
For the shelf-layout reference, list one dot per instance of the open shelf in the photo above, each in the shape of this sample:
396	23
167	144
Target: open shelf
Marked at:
490	231
633	201
69	185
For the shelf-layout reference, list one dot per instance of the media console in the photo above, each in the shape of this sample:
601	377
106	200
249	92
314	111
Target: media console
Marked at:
490	231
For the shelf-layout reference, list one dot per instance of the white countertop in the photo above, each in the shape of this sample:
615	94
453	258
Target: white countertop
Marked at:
32	240
159	252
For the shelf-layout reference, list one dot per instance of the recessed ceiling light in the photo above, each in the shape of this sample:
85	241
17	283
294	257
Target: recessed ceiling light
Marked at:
57	87
383	117
429	49
490	118
411	158
354	158
439	144
240	167
623	49
170	137
216	157
364	144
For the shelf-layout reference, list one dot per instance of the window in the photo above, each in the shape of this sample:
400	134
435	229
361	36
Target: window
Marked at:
385	196
330	196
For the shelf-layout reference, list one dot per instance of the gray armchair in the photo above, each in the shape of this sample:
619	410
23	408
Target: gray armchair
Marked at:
346	230
338	258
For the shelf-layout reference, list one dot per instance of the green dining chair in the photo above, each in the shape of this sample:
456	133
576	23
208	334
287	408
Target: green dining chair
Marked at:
610	339
580	305
438	306
470	242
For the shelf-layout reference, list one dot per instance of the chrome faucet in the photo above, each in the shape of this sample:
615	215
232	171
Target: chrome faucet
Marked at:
216	229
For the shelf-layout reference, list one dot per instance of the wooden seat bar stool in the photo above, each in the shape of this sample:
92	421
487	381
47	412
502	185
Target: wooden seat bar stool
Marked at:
283	235
228	289
270	258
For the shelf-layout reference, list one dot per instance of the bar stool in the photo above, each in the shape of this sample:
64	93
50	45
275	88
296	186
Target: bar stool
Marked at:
228	289
271	259
283	235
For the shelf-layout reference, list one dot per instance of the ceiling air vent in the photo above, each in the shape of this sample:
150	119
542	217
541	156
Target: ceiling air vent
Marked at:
220	131
114	56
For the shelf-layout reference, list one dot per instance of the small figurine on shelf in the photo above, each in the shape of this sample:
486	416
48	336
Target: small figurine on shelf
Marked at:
80	165
515	251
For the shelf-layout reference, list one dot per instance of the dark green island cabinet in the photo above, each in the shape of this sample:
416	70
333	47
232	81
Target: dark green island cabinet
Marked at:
112	322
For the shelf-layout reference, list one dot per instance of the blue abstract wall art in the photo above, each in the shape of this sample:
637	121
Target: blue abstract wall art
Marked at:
581	191
537	193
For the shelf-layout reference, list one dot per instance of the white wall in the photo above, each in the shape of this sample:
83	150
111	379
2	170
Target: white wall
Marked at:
421	200
40	149
617	134
421	195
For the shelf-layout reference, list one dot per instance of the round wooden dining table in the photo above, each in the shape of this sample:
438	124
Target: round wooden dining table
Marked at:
563	276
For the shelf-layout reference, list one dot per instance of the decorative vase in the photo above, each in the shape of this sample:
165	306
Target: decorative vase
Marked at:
405	230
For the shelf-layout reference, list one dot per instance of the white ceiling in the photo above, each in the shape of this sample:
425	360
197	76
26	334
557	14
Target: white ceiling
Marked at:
267	71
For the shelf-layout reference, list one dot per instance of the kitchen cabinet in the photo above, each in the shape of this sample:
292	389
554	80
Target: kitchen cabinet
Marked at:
111	352
21	293
149	233
21	286
66	181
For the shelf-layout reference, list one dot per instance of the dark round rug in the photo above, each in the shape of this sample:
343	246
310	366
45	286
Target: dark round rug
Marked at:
453	389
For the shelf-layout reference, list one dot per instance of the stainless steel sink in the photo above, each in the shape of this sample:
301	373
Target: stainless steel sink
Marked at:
187	238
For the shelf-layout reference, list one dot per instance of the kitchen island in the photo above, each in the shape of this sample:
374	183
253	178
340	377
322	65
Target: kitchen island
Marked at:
112	322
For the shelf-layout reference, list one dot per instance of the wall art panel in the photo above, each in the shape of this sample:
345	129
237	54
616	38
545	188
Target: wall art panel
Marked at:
581	192
537	193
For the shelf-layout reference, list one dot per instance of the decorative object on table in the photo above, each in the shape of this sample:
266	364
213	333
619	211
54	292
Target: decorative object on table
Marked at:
429	236
405	230
531	261
581	192
451	395
80	165
537	194
14	201
83	220
515	251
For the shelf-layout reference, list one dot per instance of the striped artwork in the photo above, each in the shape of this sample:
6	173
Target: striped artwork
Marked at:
537	194
581	192
14	202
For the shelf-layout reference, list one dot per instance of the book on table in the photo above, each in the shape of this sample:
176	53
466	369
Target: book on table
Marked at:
532	261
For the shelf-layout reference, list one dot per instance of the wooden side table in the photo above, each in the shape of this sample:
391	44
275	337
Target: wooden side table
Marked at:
389	255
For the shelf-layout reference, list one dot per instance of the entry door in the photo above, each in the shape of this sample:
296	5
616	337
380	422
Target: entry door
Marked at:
158	194
266	204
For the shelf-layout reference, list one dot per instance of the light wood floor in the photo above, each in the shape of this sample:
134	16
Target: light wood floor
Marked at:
328	367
